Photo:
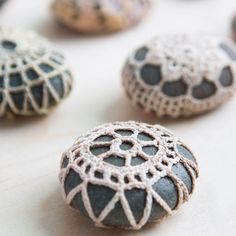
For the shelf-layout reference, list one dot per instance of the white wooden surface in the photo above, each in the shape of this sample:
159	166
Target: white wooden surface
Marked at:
30	149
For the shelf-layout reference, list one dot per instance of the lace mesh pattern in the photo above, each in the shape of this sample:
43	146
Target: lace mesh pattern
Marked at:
33	77
126	174
181	75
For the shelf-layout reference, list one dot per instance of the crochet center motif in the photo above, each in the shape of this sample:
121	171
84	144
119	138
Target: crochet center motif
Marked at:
120	160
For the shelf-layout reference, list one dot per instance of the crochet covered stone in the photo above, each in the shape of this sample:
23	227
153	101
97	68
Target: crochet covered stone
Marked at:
33	76
100	16
181	75
126	174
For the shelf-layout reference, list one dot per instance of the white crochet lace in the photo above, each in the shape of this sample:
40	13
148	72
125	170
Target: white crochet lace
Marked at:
192	59
96	169
28	54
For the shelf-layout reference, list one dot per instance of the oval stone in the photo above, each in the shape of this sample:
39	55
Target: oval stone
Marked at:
34	77
181	75
127	174
100	16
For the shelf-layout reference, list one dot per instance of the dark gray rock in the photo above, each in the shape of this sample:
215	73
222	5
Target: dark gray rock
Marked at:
181	75
226	77
8	44
151	74
175	88
101	195
134	179
141	53
33	75
185	152
204	90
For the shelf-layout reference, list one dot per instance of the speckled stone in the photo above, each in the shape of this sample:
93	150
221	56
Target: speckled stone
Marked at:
181	75
34	77
126	166
100	16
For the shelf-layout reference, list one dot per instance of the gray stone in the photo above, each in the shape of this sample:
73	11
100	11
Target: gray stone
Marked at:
175	88
43	75
181	75
101	163
204	90
151	74
226	77
185	152
8	44
141	53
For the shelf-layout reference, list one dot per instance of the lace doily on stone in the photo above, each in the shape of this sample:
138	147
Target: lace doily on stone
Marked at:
33	77
126	174
181	75
100	16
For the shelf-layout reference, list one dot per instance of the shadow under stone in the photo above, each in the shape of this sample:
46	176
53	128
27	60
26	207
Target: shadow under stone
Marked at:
123	110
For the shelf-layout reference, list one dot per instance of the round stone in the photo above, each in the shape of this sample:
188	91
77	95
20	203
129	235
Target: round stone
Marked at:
100	16
127	174
34	77
181	75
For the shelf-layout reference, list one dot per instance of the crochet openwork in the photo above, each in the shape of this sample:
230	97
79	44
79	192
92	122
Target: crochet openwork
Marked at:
33	77
181	75
126	174
100	16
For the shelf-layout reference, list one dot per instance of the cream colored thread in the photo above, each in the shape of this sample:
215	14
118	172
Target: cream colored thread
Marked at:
34	50
80	152
205	59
